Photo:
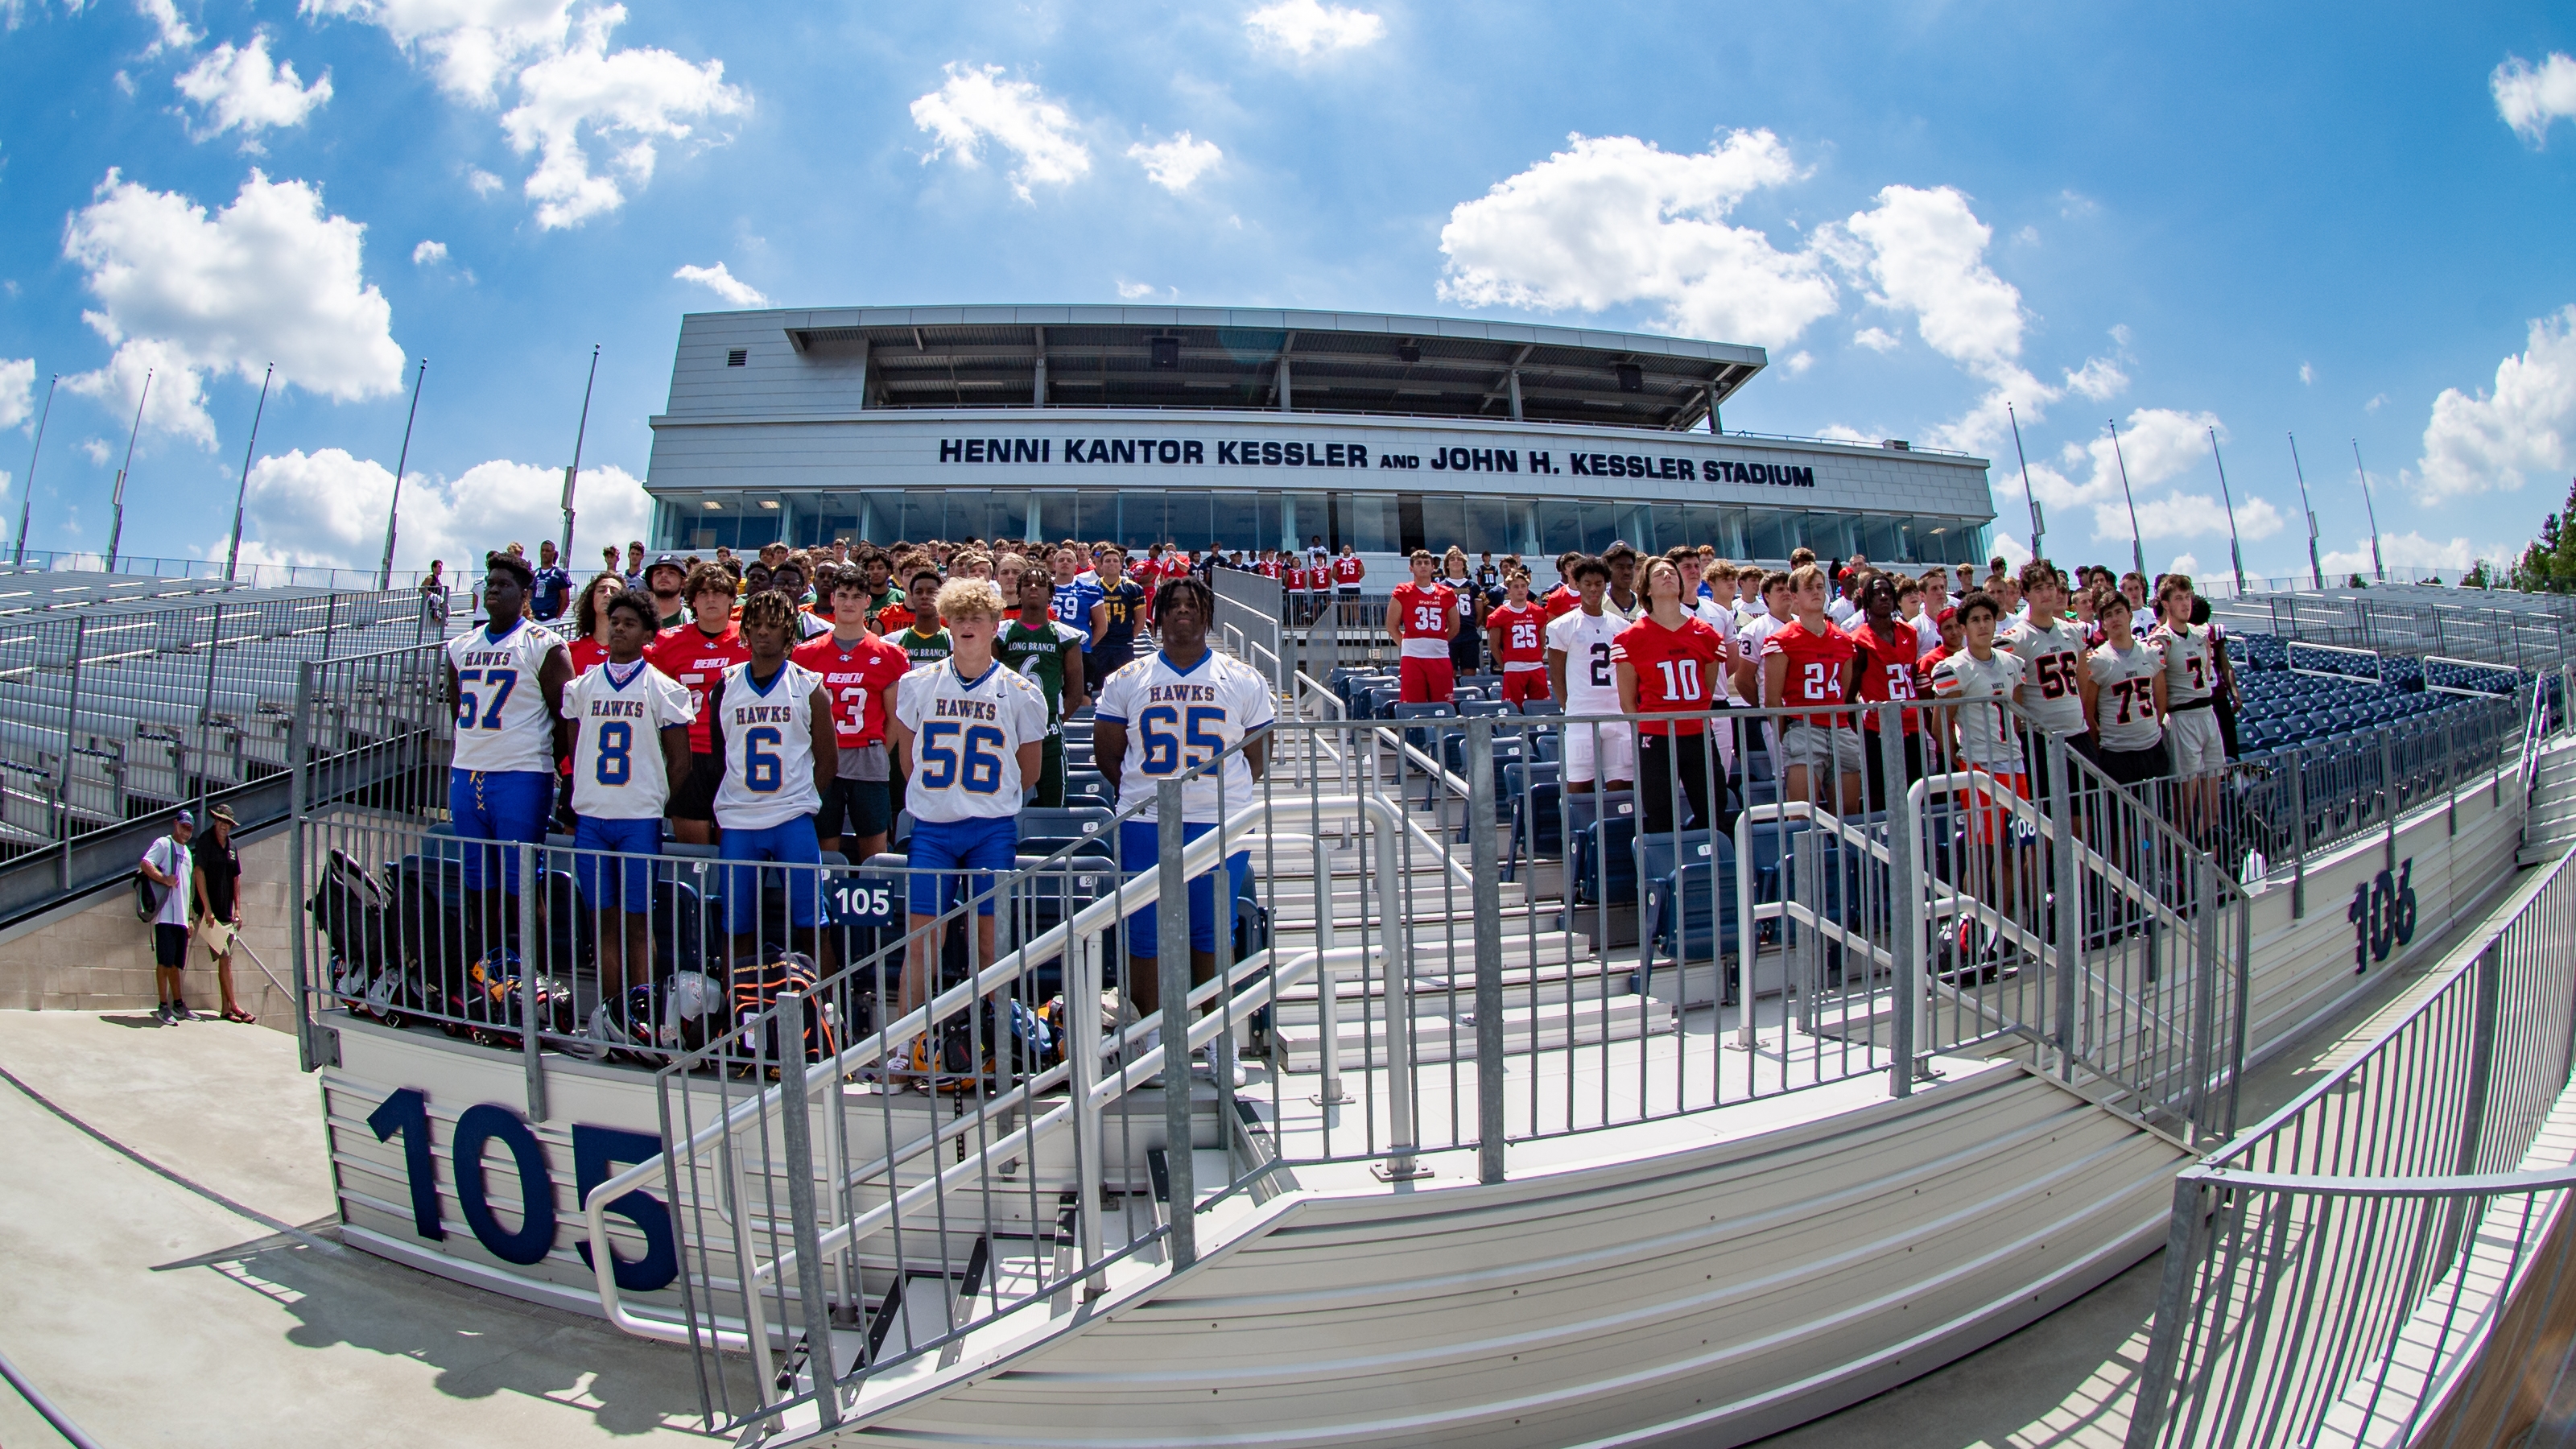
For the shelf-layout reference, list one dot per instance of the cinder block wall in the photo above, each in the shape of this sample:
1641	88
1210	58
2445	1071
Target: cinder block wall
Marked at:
99	957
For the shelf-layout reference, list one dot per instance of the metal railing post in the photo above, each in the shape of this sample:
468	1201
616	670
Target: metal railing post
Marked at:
2298	834
1905	885
1489	950
299	796
2070	909
2183	1237
71	722
797	1130
2204	992
1387	818
2388	787
1082	1060
1172	978
2473	1112
529	949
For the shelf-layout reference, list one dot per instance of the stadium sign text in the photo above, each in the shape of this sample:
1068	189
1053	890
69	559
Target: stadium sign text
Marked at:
1230	453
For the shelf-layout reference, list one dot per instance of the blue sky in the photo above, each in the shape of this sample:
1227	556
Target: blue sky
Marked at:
2346	222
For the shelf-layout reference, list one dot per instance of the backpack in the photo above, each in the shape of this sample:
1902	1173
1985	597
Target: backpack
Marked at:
756	989
149	894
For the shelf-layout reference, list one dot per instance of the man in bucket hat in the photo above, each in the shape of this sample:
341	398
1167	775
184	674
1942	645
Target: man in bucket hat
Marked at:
218	896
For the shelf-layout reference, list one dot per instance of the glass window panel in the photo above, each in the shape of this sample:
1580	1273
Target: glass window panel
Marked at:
1303	517
1097	517
1489	528
1057	518
1236	524
1006	518
1444	522
1600	525
1560	525
1878	538
1905	540
1189	519
1766	536
1672	529
1369	522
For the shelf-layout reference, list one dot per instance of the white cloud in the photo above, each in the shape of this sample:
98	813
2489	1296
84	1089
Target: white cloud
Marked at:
625	99
244	90
2190	515
270	278
328	507
17	391
472	44
1800	361
2307	374
724	284
1174	164
429	254
574	93
1133	291
1307	27
976	105
2073	204
2184	563
2099	379
1878	339
2414	551
2525	424
2160	445
99	450
164	15
1614	220
2028	236
2530	97
2009	548
2377	401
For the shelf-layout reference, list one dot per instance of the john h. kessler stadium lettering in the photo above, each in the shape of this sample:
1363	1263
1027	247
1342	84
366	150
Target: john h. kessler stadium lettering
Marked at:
1187	452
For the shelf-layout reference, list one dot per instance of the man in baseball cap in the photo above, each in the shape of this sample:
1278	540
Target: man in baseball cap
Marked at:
666	578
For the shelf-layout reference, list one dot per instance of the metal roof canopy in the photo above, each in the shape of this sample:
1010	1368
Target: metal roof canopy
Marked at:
1237	358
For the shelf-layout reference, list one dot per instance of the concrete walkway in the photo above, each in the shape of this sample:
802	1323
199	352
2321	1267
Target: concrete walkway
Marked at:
207	1303
2068	1381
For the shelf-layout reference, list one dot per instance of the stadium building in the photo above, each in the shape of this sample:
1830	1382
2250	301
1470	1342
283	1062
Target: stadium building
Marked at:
1257	428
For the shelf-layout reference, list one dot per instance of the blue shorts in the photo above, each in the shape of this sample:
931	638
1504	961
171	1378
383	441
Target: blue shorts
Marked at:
615	885
510	805
982	844
1140	849
792	843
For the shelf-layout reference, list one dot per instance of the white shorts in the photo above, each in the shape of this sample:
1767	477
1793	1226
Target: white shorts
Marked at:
1818	747
2192	737
1618	750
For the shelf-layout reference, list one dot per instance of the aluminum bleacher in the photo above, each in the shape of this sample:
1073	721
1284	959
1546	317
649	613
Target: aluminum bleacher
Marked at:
123	697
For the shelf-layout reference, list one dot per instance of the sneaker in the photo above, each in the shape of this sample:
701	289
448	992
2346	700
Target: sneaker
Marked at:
179	1012
161	1013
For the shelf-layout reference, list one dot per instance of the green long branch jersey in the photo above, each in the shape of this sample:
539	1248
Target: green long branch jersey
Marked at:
1038	654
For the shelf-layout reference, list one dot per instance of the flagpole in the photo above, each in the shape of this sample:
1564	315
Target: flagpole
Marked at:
2378	567
2235	551
402	464
27	500
116	530
572	474
2027	497
2316	566
241	498
2137	541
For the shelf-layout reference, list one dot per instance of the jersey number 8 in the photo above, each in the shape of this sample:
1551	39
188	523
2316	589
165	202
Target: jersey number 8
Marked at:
616	753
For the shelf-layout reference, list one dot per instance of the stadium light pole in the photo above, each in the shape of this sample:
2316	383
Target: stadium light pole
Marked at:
2378	567
116	530
2316	566
27	500
402	463
2235	550
2137	541
241	497
573	473
2037	531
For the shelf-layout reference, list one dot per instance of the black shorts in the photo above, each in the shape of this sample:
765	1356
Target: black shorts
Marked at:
2136	767
169	945
854	808
1098	664
2043	769
696	797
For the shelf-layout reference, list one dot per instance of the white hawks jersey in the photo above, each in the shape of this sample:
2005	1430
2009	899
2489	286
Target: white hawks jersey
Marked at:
502	723
618	714
1980	687
1591	680
1178	719
768	747
2051	689
2124	699
966	738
